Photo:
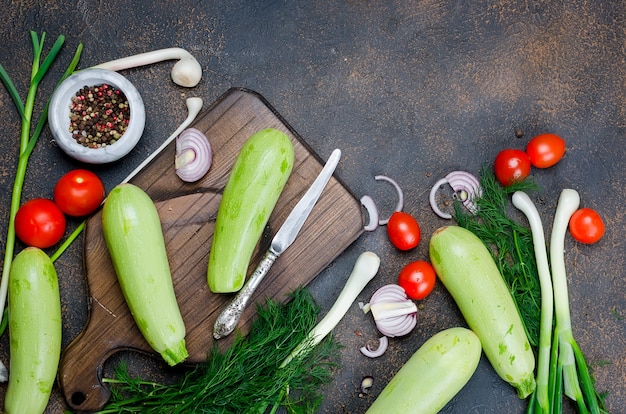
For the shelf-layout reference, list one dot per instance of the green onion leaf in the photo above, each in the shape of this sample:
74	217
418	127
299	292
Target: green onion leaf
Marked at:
52	54
13	93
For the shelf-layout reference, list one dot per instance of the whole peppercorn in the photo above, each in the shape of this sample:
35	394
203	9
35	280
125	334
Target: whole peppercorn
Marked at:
99	115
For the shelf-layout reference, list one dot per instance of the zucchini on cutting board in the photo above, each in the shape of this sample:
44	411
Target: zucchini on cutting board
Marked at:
187	213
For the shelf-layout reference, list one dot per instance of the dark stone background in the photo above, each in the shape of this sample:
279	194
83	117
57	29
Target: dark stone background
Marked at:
410	89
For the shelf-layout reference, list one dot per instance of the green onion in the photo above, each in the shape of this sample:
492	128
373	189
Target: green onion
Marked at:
28	135
577	382
562	367
523	203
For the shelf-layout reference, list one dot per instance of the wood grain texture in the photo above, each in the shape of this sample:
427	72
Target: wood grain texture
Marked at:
188	213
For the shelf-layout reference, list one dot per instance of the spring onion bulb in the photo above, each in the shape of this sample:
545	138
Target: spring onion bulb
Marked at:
193	155
186	72
394	313
368	351
364	270
399	203
522	202
466	187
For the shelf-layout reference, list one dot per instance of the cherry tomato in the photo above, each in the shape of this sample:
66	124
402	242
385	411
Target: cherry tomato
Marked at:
79	193
418	279
586	226
511	166
39	223
545	150
403	230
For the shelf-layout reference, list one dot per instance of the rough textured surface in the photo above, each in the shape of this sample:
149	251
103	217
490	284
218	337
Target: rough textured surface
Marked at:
410	89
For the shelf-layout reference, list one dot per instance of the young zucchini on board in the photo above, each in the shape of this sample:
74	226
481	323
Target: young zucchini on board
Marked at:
469	273
433	375
34	332
257	179
134	237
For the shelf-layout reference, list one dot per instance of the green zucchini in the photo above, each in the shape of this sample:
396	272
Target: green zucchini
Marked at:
134	238
433	375
34	331
257	179
469	273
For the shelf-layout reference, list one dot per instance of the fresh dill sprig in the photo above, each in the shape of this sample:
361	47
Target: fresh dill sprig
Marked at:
509	243
246	377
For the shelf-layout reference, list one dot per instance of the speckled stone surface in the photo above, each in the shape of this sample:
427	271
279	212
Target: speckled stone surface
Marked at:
409	89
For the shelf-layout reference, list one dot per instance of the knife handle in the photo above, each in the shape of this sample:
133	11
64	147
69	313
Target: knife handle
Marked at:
229	318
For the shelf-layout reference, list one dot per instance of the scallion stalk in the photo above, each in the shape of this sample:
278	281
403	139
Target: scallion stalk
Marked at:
523	203
577	382
364	270
28	136
561	364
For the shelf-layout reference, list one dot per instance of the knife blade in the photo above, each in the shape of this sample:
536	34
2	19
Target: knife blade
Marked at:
229	317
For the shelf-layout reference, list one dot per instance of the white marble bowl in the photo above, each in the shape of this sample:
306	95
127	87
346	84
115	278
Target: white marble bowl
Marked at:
59	116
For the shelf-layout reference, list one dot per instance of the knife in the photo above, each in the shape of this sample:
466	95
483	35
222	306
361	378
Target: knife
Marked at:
229	318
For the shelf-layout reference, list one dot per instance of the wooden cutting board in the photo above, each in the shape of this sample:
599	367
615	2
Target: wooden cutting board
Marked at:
187	213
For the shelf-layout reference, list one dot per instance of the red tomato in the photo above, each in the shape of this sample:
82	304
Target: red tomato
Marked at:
586	226
403	230
79	193
418	279
39	223
545	150
511	165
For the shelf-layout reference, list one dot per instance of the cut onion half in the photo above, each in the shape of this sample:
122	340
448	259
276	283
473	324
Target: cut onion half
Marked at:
193	155
394	313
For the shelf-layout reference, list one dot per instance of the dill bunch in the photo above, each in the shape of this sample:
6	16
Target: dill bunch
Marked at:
246	377
509	243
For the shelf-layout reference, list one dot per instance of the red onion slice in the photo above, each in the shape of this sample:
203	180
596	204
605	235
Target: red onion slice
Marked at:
465	185
400	203
383	343
193	155
372	213
366	384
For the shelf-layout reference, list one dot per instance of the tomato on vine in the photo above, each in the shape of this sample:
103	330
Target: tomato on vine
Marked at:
418	279
79	193
586	226
39	223
545	150
403	230
511	166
